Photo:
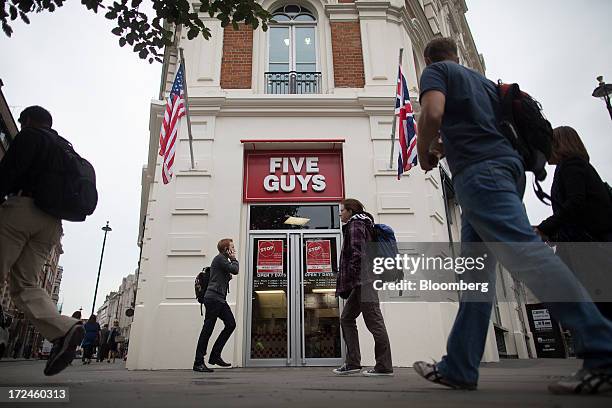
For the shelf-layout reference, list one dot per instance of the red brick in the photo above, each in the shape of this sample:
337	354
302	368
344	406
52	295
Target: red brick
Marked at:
237	60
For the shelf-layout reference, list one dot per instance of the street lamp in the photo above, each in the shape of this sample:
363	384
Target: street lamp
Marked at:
106	229
603	91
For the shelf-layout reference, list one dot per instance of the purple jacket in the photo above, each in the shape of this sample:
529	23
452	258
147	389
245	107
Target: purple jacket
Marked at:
357	233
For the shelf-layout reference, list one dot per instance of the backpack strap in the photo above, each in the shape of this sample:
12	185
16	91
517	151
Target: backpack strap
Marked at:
540	193
201	314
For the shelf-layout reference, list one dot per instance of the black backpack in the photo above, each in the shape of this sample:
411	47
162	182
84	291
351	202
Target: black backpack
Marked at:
66	189
201	284
522	122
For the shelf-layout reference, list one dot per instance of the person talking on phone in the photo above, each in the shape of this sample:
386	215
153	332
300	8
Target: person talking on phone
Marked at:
223	266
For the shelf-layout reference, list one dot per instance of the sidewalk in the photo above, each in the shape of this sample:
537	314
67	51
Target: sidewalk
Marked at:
511	383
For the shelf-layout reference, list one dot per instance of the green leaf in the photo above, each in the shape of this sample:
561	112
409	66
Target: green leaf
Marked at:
7	29
117	31
24	17
143	54
192	33
122	42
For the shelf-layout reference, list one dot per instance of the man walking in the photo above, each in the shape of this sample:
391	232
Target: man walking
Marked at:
489	181
27	236
223	266
103	343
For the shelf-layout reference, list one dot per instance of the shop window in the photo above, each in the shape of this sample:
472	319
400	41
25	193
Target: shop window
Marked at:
276	217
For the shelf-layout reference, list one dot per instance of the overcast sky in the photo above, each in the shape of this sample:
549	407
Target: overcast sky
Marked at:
99	95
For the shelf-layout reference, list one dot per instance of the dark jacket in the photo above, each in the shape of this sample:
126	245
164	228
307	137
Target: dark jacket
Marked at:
24	161
356	234
580	202
221	270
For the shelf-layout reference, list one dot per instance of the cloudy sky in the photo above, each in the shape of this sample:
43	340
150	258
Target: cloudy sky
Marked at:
99	95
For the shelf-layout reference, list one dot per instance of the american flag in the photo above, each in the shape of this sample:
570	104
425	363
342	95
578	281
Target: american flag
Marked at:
175	110
407	157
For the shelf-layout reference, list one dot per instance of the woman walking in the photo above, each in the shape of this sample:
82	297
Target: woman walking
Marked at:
582	212
355	286
92	333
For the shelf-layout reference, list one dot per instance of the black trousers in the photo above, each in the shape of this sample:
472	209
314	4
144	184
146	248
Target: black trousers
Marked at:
215	309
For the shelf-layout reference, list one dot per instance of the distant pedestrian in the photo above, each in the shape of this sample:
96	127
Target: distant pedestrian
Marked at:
28	234
113	346
92	334
582	212
489	180
355	285
223	266
103	343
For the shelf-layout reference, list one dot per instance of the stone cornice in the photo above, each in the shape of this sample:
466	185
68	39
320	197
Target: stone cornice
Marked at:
342	12
290	105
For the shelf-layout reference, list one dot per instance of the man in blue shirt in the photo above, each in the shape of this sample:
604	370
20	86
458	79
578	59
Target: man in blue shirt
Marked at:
460	105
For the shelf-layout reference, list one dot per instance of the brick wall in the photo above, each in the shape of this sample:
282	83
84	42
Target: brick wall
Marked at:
347	54
237	60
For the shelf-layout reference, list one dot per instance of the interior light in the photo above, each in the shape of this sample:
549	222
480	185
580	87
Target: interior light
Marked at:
296	221
271	292
324	291
286	41
307	40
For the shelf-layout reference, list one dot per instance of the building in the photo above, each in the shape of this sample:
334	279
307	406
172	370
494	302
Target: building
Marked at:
286	123
116	306
8	130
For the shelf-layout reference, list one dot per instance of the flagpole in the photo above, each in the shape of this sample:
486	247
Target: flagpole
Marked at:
187	108
401	52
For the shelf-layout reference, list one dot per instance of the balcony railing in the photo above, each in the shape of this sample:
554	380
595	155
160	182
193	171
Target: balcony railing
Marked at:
293	82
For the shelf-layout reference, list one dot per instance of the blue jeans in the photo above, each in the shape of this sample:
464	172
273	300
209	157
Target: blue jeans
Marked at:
490	194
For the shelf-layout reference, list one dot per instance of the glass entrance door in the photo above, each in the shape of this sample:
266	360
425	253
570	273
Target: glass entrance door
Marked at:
293	315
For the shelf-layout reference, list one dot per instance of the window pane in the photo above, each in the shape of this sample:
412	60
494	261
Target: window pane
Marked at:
304	17
279	44
305	67
305	45
279	67
281	17
273	217
292	9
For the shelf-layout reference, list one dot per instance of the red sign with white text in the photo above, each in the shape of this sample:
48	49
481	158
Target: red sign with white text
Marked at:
293	176
270	257
318	256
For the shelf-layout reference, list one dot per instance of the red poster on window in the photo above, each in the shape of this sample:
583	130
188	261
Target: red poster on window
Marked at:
318	256
270	257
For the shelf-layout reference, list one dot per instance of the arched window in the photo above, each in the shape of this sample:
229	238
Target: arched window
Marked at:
292	51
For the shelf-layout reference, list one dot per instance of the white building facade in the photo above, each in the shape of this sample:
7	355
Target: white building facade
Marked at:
286	123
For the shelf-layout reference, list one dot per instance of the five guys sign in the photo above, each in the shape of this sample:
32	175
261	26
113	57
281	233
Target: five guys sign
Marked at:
293	176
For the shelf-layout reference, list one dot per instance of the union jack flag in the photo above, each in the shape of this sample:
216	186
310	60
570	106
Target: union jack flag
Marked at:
175	110
407	157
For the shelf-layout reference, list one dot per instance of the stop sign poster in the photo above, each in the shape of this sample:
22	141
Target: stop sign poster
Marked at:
270	257
318	256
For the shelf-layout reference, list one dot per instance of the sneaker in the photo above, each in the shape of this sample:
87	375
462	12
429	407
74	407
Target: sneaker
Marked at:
430	372
219	362
585	381
64	350
346	370
374	373
201	368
